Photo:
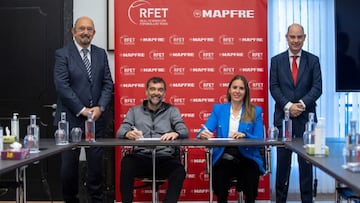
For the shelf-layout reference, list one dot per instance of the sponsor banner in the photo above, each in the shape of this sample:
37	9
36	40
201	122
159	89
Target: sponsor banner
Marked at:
197	46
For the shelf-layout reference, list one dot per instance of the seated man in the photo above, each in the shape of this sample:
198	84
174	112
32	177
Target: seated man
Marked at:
153	119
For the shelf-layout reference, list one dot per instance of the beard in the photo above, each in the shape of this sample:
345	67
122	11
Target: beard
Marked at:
155	102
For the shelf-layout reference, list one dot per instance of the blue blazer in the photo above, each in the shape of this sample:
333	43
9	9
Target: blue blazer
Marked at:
219	122
308	87
74	89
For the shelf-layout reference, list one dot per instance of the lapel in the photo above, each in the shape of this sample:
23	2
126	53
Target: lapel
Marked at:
94	61
224	125
287	69
302	65
75	54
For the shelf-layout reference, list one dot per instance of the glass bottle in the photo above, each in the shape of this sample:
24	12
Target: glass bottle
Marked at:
90	128
308	135
63	130
33	135
352	147
287	127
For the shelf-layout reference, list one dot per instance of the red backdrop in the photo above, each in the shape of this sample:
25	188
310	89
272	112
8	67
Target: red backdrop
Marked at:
197	46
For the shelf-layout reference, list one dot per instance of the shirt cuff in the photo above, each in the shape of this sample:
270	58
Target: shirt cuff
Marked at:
78	114
301	101
287	106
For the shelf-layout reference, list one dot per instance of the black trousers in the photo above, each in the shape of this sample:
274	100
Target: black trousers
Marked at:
70	174
283	167
134	165
245	170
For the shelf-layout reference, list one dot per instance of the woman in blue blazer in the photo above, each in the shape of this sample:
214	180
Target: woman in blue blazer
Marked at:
238	119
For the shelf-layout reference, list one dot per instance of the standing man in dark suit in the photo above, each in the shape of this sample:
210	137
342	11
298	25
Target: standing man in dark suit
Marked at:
297	94
83	85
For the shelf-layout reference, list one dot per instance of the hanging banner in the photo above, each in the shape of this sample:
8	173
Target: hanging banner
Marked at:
197	46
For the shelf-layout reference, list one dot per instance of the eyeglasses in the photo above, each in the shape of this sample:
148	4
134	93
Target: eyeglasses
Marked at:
89	29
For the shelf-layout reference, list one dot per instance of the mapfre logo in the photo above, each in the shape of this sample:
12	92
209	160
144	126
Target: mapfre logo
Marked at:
204	115
226	70
126	40
141	12
255	85
187	115
251	70
206	55
202	100
156	56
176	100
176	40
224	13
177	70
127	101
225	40
132	85
255	55
205	85
257	100
202	70
126	70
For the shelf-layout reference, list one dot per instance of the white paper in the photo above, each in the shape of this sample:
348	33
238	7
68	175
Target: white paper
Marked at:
149	138
221	138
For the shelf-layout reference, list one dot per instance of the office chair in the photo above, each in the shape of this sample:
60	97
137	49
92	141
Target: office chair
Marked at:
147	181
265	153
345	193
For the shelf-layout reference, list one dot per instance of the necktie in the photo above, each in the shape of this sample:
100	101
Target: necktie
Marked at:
87	62
294	68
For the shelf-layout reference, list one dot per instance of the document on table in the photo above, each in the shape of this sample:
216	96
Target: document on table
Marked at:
149	138
221	138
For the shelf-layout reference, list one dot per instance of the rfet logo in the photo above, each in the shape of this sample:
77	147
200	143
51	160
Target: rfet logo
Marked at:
206	55
255	85
255	55
126	40
205	85
126	70
177	70
223	99
204	115
156	55
127	101
176	40
141	12
226	40
226	70
176	100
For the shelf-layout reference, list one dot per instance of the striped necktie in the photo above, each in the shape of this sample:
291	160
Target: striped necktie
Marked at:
87	62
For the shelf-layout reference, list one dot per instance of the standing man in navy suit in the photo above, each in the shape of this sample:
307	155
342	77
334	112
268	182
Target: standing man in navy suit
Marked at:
80	91
298	95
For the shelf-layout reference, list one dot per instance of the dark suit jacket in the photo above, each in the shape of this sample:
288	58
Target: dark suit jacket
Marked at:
282	88
74	89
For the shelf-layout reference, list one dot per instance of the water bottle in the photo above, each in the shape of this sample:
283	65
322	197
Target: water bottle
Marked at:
15	126
33	135
320	147
352	146
90	128
308	135
287	127
1	138
63	130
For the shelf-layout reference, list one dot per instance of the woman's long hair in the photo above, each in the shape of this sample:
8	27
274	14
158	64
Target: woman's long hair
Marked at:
249	109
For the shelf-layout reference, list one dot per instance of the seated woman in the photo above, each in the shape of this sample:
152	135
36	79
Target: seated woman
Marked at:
238	119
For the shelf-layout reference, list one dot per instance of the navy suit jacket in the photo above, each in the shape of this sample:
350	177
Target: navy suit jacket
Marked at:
73	86
308	87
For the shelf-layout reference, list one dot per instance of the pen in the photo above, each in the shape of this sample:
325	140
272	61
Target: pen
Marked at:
204	126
